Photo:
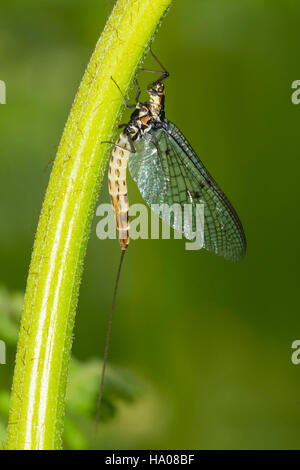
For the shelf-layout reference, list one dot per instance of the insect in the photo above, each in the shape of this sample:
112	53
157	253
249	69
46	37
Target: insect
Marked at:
167	171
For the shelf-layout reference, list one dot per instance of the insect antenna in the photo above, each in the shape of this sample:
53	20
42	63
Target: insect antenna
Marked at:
108	334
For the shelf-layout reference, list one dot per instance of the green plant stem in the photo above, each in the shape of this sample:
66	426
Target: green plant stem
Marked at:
44	346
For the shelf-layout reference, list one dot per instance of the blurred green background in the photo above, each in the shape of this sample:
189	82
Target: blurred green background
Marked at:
209	340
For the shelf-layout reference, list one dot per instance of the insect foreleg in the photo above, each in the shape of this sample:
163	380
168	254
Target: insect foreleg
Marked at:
164	73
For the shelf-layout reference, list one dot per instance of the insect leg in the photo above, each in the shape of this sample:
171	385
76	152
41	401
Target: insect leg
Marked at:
137	97
130	141
128	106
113	143
164	73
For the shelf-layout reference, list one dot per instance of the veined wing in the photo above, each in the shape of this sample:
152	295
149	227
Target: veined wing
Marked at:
167	171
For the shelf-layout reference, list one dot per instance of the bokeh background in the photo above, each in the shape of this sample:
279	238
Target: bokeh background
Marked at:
208	340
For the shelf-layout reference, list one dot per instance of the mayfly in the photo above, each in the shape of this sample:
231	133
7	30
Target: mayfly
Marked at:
167	171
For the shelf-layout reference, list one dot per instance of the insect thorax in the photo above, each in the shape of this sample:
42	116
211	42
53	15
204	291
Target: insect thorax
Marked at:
146	117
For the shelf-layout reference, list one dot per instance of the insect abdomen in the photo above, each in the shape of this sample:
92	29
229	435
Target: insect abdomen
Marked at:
117	186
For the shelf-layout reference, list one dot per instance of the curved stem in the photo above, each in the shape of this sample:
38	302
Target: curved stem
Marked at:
44	347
